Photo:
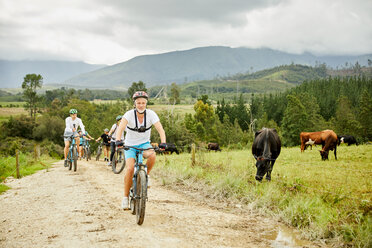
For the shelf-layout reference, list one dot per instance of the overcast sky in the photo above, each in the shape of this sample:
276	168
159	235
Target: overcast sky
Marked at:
113	31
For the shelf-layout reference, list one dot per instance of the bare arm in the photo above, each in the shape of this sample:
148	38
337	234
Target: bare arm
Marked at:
161	132
121	128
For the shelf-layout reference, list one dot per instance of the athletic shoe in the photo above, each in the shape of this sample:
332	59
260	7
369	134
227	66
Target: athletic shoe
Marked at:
125	203
66	164
109	164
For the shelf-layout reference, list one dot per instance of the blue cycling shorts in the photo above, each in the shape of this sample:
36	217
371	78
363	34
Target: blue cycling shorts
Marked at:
131	153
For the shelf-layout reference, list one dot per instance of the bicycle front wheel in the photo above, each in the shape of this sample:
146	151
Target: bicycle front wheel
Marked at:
141	195
69	158
118	162
75	157
89	154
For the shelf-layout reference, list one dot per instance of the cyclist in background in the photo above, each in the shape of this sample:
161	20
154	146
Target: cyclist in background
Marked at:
72	123
137	123
106	143
114	135
83	142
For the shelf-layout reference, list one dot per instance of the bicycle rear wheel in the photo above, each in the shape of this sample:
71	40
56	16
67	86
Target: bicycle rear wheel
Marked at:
118	162
75	157
141	196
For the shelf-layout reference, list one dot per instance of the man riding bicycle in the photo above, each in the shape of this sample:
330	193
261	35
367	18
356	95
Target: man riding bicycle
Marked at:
72	123
106	143
137	123
114	135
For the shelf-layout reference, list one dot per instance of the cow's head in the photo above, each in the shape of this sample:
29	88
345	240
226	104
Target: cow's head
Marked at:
324	154
262	166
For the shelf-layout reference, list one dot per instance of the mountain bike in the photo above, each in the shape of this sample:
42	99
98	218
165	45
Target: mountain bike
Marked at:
138	191
72	155
118	161
99	151
86	150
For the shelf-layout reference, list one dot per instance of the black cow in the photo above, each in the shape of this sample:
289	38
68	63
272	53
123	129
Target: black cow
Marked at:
171	148
349	139
265	149
214	147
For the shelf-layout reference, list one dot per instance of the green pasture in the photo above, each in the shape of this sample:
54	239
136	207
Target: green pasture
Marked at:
329	200
5	113
12	104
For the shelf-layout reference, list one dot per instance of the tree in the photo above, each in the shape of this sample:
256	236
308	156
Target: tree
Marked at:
345	120
294	121
175	94
140	86
365	115
30	83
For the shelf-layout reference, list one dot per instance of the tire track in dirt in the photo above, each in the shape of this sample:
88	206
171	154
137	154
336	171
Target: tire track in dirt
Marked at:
61	208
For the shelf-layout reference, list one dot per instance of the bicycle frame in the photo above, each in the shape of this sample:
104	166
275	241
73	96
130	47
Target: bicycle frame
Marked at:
73	143
138	193
70	154
138	165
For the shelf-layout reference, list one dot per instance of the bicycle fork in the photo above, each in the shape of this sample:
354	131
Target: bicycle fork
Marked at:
133	189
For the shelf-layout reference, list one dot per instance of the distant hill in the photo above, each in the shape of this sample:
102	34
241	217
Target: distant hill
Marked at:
202	63
279	78
274	79
13	72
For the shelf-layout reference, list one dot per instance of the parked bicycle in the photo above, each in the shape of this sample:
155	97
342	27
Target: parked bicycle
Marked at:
138	191
72	155
99	151
118	160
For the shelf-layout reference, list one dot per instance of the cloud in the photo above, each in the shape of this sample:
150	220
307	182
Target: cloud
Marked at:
113	31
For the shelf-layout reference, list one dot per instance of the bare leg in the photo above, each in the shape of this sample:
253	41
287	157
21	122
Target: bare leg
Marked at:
67	145
150	161
128	176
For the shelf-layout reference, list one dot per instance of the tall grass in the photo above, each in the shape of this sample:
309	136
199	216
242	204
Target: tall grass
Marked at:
325	199
27	166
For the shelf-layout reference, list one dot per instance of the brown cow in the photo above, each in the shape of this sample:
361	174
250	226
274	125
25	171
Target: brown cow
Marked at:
327	138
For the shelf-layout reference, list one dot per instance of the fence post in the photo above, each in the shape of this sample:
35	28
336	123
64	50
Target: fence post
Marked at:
193	155
36	152
17	164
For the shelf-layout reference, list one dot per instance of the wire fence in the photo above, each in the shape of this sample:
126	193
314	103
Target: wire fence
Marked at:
19	165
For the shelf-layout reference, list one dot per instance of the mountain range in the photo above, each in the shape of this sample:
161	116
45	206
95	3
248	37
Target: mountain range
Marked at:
178	66
13	72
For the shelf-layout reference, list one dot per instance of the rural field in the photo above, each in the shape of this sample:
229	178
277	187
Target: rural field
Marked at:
330	200
5	112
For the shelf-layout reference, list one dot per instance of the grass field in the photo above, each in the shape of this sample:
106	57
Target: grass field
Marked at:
5	113
329	200
27	166
12	104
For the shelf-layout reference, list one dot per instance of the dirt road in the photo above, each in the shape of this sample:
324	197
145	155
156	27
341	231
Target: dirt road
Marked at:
61	208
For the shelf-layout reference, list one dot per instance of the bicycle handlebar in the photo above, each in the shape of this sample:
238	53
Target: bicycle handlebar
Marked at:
140	149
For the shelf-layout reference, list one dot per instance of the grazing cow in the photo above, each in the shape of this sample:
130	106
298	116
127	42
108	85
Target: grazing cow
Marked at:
348	139
265	149
327	138
171	148
214	147
310	143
